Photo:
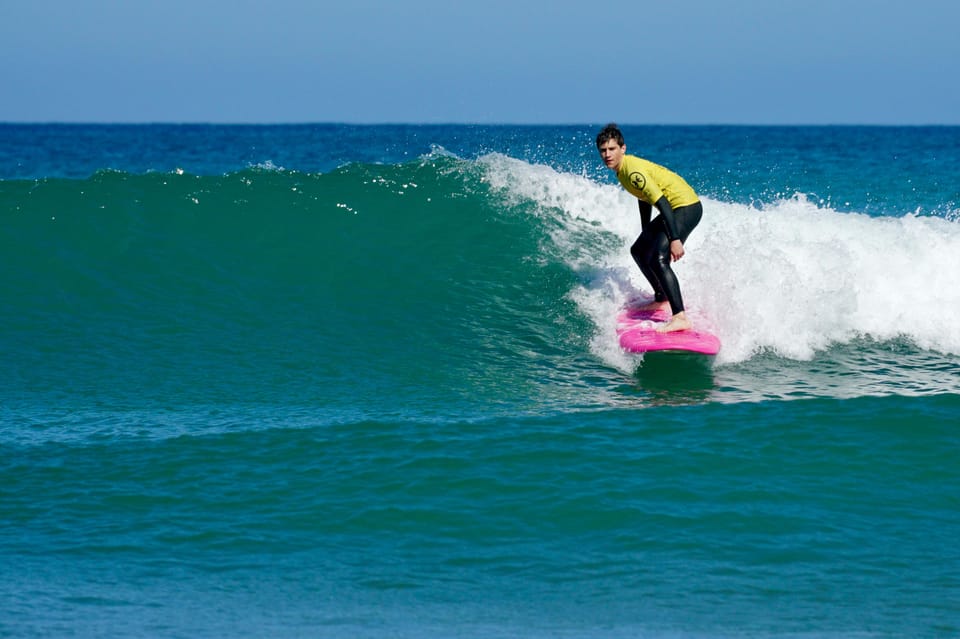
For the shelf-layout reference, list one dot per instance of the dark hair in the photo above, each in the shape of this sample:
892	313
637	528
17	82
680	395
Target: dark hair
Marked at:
610	132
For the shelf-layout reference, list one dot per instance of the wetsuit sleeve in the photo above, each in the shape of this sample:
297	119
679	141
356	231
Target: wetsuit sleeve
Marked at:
667	212
645	213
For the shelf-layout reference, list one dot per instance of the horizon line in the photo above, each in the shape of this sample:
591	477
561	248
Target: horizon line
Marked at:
455	123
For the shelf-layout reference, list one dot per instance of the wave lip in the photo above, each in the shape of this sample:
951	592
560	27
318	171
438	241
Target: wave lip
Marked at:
789	277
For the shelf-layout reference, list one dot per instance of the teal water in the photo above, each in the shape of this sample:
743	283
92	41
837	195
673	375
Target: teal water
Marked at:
336	381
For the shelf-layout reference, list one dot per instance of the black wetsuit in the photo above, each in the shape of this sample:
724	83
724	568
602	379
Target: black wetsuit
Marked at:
651	251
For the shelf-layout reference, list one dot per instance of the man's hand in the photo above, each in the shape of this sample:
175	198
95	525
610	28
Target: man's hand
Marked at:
676	250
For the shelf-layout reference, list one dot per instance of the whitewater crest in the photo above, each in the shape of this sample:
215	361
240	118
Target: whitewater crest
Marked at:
790	277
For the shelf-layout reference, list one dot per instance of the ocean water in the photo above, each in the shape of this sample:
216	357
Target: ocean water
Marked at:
363	381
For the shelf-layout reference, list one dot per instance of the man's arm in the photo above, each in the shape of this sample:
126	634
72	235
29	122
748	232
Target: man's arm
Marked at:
645	213
676	244
667	212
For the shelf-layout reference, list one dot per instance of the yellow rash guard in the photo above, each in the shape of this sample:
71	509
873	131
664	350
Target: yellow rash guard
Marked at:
649	182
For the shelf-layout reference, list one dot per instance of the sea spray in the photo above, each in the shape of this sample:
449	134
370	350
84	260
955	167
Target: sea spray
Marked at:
791	277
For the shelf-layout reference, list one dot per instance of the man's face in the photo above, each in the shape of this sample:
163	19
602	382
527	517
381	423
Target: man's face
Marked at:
612	154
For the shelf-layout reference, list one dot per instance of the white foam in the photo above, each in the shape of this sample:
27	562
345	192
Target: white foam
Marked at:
791	277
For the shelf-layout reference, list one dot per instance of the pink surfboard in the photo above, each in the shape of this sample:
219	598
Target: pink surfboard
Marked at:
637	330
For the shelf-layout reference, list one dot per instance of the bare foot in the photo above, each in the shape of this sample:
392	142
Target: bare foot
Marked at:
678	322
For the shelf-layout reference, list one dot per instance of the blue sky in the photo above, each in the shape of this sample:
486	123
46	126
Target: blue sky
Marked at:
489	61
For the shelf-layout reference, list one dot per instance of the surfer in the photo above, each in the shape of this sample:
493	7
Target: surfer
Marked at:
661	240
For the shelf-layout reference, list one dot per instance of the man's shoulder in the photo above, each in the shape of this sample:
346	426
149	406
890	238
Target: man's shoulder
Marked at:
636	163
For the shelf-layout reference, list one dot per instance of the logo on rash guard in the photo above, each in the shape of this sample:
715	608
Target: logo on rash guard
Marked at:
637	180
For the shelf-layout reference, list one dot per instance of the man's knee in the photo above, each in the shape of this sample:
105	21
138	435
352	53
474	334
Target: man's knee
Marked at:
661	263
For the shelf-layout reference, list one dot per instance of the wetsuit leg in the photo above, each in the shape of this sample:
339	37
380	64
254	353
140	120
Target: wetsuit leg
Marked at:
641	255
651	252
